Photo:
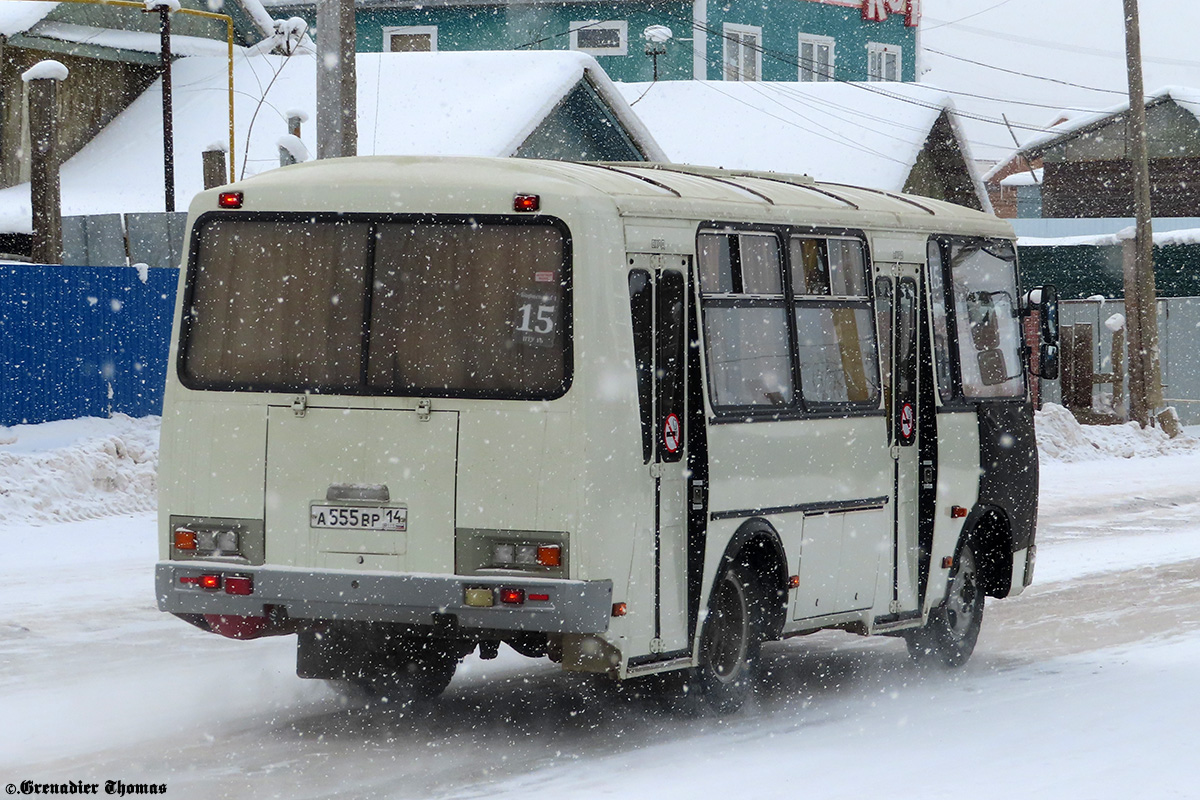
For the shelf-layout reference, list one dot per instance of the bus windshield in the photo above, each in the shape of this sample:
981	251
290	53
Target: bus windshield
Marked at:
984	287
428	306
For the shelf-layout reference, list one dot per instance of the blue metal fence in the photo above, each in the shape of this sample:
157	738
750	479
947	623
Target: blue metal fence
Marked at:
83	341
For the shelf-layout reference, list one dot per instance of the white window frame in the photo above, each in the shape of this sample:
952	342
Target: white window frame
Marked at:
619	25
880	51
812	72
411	30
731	32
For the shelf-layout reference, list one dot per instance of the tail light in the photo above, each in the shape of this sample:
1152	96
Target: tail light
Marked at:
239	584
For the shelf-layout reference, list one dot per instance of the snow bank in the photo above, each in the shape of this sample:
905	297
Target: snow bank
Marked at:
1061	438
78	469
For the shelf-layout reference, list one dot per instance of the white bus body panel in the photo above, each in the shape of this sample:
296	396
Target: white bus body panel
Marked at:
572	465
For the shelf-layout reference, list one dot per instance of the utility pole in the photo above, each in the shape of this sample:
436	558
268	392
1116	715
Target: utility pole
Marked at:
337	85
45	192
164	9
1141	302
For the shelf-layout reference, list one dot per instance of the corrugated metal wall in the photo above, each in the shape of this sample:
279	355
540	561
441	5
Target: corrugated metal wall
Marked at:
83	341
1178	342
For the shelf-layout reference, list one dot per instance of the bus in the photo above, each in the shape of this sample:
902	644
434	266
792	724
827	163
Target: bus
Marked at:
635	418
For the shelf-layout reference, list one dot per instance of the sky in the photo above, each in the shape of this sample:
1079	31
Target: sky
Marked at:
1055	43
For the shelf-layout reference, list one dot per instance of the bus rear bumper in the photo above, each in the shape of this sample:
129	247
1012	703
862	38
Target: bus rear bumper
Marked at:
321	595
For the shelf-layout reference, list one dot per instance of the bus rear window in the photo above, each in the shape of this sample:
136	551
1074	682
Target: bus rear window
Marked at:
428	306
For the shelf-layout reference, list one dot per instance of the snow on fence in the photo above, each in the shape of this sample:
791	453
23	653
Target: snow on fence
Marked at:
83	341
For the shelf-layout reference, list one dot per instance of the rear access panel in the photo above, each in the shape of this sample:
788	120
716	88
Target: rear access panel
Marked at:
358	488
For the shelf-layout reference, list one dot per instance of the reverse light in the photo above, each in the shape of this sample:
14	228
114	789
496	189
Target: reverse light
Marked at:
478	598
512	597
230	199
527	203
210	582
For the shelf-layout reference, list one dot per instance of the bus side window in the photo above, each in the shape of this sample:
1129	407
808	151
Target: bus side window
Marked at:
641	306
745	320
941	325
883	319
835	338
905	363
668	371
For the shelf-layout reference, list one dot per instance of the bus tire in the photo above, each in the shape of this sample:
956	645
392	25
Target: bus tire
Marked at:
949	637
731	641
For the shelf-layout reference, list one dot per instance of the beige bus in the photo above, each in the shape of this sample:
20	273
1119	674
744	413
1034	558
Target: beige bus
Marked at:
635	418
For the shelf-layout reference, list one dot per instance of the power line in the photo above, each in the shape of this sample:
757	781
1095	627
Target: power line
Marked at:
1023	74
963	19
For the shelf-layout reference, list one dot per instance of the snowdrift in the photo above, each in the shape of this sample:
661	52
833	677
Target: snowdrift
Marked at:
78	469
1061	438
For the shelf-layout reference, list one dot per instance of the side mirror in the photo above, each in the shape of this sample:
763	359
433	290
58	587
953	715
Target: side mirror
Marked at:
1044	300
1049	309
1048	361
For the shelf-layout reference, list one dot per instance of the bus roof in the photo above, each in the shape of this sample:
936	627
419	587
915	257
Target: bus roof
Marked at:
662	190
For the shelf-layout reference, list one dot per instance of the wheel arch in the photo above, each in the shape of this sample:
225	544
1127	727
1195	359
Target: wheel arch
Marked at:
757	546
989	532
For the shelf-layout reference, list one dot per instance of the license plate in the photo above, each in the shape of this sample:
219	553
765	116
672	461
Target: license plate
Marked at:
367	518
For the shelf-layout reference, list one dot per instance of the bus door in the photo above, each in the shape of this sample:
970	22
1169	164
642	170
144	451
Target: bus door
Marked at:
897	306
663	319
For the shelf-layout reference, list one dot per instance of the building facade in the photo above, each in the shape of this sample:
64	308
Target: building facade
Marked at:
641	40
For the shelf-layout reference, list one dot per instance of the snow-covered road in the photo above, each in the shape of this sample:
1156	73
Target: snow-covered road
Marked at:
1083	687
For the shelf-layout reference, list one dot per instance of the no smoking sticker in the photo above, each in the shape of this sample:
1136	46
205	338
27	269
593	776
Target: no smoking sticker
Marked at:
907	418
671	433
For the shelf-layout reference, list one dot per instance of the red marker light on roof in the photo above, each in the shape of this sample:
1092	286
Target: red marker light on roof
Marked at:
527	202
230	200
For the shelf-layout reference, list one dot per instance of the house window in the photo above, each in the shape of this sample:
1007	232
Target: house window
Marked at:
883	62
600	38
816	58
743	52
410	39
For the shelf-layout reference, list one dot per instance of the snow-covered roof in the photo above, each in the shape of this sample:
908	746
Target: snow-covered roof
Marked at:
866	134
462	103
1024	178
18	16
1186	98
1186	236
138	41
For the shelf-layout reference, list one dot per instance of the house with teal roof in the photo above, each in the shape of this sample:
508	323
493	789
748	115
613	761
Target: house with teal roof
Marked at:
643	40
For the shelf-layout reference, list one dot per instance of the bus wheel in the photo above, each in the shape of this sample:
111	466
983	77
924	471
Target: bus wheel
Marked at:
730	642
949	636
